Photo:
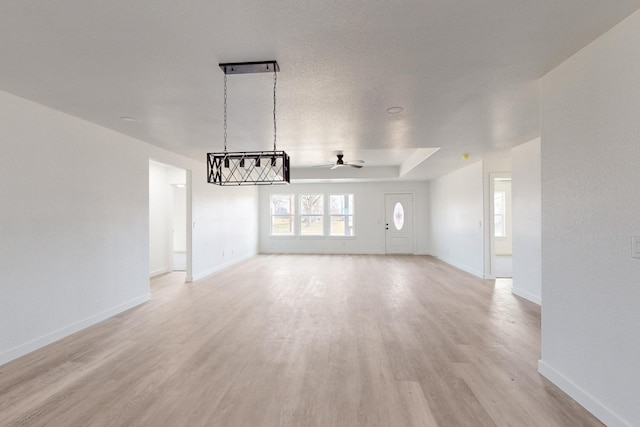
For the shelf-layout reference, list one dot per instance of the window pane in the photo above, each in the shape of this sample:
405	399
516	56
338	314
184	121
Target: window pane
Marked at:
499	229
342	225
282	204
341	204
499	209
341	209
282	214
311	204
337	226
398	216
282	225
499	202
348	228
311	225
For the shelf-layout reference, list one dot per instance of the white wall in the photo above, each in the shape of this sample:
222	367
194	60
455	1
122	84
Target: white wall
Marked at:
526	181
457	214
226	225
369	218
74	223
590	115
159	220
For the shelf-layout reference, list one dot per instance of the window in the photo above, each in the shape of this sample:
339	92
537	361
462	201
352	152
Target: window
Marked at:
398	216
341	213
499	210
282	214
312	215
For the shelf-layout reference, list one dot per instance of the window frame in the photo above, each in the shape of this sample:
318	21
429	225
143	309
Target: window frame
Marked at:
291	215
351	216
302	216
297	217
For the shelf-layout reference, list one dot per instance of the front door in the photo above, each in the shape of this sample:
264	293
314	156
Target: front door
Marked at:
399	223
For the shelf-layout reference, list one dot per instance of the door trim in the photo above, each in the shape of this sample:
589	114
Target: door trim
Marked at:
412	221
492	238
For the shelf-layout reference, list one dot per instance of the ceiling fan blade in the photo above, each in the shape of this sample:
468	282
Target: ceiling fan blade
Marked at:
335	167
355	161
354	166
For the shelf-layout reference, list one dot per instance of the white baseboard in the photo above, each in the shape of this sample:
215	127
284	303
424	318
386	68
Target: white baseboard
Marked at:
159	272
338	252
217	268
590	403
527	295
462	267
323	252
33	345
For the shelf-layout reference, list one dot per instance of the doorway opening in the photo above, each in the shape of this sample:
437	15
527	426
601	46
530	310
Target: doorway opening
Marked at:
501	226
169	220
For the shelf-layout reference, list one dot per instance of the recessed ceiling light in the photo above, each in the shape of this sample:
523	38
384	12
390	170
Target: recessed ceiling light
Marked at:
128	119
395	110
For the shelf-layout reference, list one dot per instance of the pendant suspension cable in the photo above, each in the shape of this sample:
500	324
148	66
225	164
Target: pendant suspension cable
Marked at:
275	81
225	113
249	167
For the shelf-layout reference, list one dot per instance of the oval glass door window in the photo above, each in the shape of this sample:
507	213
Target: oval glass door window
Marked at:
398	216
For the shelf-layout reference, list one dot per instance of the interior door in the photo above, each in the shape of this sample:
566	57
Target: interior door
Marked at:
399	223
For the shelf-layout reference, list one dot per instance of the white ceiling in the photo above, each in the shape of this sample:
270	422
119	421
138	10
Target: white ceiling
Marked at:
465	72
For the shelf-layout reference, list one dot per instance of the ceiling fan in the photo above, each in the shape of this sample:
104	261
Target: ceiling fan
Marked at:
341	163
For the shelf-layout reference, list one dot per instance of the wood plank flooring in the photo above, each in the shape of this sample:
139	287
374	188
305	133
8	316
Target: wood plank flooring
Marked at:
301	340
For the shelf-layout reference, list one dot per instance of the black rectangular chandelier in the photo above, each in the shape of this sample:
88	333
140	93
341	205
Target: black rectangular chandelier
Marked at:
249	167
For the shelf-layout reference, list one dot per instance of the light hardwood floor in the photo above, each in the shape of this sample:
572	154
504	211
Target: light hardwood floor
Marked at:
311	340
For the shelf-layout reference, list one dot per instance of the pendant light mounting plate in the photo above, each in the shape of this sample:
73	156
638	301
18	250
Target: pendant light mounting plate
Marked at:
249	67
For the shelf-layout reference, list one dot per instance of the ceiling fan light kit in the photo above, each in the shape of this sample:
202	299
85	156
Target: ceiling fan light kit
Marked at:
249	167
341	163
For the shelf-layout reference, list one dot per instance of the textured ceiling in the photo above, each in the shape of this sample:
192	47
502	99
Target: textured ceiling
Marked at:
465	72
